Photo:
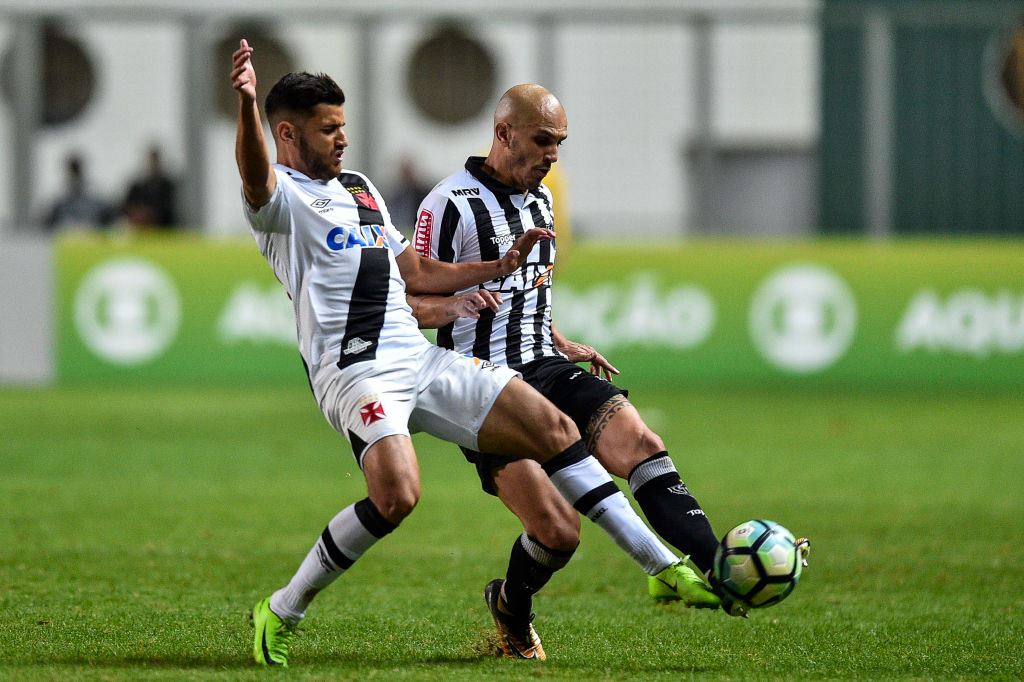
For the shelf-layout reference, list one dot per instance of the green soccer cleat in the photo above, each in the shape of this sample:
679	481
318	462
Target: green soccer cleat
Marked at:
273	636
679	582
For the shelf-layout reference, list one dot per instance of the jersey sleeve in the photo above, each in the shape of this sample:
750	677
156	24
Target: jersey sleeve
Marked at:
438	225
273	216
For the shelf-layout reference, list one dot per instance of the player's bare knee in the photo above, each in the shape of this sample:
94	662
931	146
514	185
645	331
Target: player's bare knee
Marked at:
560	430
396	504
650	442
558	532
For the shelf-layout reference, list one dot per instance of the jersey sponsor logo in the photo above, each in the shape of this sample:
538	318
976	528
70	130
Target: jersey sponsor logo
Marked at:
466	192
363	197
341	238
356	346
320	203
372	412
424	228
503	239
530	276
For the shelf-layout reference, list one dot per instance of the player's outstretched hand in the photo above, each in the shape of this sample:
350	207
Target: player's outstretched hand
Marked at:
580	352
243	75
516	256
470	305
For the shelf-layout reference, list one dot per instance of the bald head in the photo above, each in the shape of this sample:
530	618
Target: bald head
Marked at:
529	126
527	104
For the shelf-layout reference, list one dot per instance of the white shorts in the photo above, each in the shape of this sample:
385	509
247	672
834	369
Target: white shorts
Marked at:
437	391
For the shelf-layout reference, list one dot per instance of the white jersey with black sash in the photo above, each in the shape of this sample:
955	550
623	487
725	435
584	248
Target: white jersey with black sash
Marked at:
470	216
333	247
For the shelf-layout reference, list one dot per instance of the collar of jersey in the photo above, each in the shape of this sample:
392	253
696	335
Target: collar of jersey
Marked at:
297	175
475	166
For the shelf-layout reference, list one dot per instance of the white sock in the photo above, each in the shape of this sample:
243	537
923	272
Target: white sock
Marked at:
584	483
346	538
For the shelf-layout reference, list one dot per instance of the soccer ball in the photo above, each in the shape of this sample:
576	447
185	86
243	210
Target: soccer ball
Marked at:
758	563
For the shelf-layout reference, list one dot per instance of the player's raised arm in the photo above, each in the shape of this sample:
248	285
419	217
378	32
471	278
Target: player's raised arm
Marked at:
258	179
427	276
432	312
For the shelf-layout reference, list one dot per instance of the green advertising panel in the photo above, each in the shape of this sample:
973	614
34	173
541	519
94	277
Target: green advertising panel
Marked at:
846	312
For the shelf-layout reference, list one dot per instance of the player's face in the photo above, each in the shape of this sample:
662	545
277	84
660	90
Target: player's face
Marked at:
533	149
321	142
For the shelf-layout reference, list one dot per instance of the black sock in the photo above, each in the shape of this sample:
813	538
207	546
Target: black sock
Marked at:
530	567
672	510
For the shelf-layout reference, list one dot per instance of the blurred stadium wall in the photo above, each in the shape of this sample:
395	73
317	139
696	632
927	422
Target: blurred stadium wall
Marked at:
687	119
669	101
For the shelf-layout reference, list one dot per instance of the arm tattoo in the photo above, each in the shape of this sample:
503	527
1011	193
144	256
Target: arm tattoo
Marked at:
599	420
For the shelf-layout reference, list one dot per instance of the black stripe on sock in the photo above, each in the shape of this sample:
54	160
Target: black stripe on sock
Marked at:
591	499
372	519
576	452
339	559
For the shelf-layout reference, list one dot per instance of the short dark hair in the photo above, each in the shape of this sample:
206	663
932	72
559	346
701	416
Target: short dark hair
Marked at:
299	92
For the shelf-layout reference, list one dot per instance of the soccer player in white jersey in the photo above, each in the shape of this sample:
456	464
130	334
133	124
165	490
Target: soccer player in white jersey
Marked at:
329	239
476	214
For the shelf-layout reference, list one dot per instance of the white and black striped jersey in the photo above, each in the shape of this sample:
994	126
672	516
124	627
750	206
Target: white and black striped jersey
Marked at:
333	247
470	216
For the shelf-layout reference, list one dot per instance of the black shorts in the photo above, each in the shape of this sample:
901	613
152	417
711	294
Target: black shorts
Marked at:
573	390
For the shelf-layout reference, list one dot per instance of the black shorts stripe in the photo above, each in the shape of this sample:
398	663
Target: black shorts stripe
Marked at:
514	330
337	556
484	230
372	519
591	499
367	308
482	340
358	446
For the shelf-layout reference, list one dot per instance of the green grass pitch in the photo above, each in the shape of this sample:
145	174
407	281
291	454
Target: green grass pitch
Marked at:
137	526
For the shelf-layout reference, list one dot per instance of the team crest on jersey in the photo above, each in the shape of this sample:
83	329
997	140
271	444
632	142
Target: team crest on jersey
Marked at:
363	197
424	226
370	410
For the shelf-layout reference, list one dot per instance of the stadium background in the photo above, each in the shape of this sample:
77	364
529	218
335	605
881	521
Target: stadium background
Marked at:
796	227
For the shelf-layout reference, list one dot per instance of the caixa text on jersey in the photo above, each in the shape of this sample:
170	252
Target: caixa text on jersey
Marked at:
365	235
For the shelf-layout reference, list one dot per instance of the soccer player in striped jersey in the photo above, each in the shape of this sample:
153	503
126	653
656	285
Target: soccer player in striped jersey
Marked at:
475	215
329	239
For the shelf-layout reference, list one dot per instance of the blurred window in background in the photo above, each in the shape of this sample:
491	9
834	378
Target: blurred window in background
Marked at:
69	79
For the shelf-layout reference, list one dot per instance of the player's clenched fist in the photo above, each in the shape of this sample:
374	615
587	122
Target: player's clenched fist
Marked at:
243	75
